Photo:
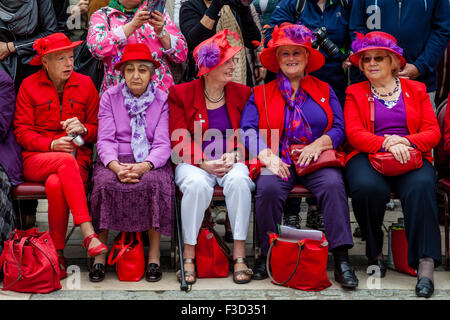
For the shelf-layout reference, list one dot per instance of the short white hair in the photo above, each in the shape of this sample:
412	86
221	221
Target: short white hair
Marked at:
145	63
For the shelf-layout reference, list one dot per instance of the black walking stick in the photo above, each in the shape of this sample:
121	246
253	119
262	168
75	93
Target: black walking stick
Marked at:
184	286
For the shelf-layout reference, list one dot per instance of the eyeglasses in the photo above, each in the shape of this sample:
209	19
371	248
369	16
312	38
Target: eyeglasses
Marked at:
367	59
234	60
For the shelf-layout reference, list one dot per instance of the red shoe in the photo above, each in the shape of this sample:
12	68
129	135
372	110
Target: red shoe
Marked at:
95	251
62	267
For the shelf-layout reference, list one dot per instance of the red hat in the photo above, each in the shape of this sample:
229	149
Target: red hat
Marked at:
214	51
375	40
51	43
137	51
288	34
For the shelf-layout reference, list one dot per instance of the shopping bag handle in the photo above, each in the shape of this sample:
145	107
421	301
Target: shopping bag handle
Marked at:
269	272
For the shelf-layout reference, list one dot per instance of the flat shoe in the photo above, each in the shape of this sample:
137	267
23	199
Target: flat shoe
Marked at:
424	288
187	273
247	272
344	273
382	267
153	273
97	272
259	270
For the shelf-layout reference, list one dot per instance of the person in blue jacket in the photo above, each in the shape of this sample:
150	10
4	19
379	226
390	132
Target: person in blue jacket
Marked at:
421	27
314	14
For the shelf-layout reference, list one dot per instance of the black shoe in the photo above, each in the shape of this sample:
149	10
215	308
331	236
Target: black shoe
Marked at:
229	236
358	234
424	288
259	270
314	218
344	273
153	273
380	264
97	272
292	220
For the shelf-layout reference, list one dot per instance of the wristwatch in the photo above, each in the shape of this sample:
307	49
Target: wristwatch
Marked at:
162	34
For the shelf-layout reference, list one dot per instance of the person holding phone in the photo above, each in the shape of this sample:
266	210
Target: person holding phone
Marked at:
131	21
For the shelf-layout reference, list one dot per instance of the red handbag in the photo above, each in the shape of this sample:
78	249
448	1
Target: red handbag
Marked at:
298	264
398	250
211	257
30	262
130	260
328	158
384	162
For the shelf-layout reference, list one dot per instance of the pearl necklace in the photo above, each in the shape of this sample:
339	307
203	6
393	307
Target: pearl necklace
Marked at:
389	94
214	100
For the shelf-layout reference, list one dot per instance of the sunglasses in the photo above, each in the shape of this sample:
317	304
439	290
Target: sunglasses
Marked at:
367	59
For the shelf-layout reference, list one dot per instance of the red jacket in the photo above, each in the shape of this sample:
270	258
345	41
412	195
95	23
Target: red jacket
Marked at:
447	127
275	104
38	113
187	106
421	120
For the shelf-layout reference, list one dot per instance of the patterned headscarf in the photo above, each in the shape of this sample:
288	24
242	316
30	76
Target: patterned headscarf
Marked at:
297	129
115	4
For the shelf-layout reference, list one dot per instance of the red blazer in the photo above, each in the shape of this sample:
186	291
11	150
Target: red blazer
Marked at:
187	108
38	113
447	127
421	120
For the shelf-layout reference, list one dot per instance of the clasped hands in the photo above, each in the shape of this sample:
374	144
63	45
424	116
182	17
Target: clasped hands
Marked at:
221	166
398	146
71	126
129	172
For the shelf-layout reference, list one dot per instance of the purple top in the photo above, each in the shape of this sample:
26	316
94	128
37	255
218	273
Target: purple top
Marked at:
390	120
314	114
219	121
10	152
114	129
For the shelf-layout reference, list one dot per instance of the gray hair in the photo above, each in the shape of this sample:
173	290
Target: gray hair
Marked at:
145	63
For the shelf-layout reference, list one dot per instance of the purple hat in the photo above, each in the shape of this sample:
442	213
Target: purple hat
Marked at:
375	40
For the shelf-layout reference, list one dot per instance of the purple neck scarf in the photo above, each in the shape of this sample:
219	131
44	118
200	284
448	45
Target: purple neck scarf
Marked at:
136	108
296	128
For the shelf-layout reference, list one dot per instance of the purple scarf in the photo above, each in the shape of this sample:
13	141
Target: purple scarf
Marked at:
296	127
136	108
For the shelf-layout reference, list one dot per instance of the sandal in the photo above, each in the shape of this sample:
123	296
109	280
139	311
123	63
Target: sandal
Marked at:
188	273
248	272
95	251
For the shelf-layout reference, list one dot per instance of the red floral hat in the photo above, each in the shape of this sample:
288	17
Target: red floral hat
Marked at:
214	51
137	51
375	40
288	34
51	43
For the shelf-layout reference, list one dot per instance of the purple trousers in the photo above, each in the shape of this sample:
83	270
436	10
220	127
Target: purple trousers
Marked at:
328	187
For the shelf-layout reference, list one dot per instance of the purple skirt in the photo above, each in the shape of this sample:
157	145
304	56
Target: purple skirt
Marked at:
134	207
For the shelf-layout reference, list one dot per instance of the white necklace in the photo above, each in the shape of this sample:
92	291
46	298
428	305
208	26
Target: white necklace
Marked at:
214	100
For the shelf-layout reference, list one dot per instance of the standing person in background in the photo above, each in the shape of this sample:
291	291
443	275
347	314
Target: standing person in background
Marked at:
61	7
129	21
314	14
422	29
94	5
78	20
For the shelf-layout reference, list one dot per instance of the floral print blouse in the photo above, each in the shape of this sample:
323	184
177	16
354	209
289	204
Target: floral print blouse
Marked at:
106	40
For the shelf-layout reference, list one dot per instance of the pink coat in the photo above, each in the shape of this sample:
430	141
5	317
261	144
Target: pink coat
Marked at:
107	43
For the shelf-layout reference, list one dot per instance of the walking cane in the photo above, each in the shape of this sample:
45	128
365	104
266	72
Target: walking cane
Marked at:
183	285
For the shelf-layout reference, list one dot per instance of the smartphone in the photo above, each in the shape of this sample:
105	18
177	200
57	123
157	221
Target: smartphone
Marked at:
156	5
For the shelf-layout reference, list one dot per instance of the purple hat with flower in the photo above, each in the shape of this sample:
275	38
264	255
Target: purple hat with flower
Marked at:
375	40
214	51
288	34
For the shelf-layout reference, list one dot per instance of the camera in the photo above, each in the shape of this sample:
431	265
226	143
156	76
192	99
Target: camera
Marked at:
322	41
77	139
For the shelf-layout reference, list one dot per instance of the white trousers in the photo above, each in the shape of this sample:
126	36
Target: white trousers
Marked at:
197	187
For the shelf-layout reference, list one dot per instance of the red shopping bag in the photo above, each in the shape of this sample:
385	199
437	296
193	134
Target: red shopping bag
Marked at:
130	260
398	250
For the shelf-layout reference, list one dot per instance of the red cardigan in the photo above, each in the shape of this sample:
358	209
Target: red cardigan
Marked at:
420	118
187	107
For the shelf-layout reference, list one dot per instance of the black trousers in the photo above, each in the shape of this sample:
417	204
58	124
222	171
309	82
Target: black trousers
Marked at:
370	191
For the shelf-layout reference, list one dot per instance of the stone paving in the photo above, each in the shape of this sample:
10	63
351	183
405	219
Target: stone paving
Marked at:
395	286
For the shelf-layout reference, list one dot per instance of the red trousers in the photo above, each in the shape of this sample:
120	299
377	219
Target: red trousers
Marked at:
64	187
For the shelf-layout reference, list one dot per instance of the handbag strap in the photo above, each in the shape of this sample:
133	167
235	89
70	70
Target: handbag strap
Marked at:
269	272
226	250
18	263
124	248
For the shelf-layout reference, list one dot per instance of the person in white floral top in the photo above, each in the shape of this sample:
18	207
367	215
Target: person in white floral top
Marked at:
129	21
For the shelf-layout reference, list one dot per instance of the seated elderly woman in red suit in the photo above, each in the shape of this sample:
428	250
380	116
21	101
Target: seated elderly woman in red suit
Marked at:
56	110
297	108
393	115
211	105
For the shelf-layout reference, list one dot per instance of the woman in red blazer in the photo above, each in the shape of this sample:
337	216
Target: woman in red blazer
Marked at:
203	116
403	119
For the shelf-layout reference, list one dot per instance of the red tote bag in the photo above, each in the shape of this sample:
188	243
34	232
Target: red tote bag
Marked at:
398	251
30	262
298	264
211	260
130	260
